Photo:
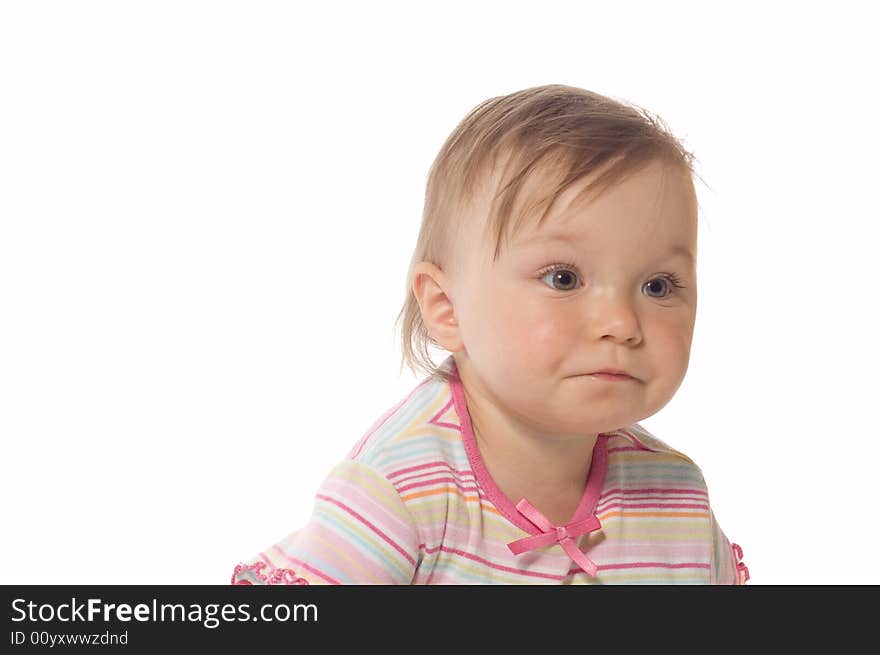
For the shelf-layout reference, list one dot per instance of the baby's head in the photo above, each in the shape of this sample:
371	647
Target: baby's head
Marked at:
558	238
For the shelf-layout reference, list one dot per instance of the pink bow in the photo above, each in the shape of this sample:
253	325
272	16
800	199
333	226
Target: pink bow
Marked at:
551	534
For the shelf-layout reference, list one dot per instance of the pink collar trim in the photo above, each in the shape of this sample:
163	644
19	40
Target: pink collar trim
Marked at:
584	516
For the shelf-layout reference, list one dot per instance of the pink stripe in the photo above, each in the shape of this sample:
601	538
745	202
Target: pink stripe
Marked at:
303	565
428	483
627	448
681	551
426	466
637	441
646	565
489	564
371	506
656	497
654	491
381	420
422	475
446	425
462	535
436	579
369	525
434	421
652	505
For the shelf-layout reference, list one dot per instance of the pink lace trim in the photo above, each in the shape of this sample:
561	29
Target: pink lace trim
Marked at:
277	576
742	569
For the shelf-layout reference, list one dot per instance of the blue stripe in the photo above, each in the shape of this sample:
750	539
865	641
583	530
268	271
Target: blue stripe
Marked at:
404	415
367	547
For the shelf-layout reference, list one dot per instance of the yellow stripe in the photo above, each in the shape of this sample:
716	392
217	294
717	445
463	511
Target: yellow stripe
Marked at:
380	488
655	532
701	515
666	574
340	516
485	572
434	511
456	491
341	554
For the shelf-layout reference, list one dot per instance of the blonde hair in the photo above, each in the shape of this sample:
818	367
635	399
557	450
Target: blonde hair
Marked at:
568	129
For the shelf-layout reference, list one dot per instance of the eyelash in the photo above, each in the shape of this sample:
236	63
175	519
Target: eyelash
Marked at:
673	279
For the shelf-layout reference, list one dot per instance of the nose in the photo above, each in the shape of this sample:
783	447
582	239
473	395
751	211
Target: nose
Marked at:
613	317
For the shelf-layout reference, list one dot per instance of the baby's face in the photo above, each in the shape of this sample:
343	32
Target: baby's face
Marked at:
609	283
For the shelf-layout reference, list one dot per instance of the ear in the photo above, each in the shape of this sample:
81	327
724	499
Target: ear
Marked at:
430	287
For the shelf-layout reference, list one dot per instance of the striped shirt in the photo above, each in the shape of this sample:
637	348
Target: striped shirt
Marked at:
413	503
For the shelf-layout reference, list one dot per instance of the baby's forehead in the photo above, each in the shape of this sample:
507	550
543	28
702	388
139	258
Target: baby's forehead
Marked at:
503	217
619	225
571	218
656	197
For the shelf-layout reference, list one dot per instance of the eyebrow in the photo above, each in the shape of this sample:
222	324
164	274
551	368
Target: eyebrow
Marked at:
675	250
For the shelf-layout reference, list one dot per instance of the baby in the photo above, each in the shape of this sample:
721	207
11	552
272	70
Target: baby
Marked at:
556	263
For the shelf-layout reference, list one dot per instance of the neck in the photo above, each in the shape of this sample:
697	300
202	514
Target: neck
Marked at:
526	461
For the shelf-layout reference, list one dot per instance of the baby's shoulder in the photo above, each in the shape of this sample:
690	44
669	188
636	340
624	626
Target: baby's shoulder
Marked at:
635	440
642	439
638	460
422	429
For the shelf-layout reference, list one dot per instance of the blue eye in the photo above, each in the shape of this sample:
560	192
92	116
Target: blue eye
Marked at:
562	274
672	282
564	277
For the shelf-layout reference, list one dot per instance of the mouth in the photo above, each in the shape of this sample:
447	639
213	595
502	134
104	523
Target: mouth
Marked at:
611	374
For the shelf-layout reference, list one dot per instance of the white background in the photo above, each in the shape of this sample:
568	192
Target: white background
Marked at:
207	211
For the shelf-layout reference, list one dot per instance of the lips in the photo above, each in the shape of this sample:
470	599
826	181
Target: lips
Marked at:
612	371
612	375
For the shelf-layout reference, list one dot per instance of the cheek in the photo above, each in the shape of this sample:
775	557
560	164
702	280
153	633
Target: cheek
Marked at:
516	334
515	325
551	332
538	337
492	329
672	343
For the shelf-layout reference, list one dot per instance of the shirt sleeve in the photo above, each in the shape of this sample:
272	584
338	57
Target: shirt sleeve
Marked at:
727	567
360	532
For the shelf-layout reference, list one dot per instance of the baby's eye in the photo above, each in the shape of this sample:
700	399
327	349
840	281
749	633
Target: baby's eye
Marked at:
563	276
670	279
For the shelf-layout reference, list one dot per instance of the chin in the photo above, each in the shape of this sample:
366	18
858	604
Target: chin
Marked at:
589	423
